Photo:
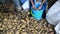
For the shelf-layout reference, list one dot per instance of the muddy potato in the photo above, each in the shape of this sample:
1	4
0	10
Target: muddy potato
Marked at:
36	27
9	26
9	33
22	20
44	24
28	28
11	16
16	32
49	26
0	24
51	33
46	28
11	9
27	19
24	33
42	29
12	31
6	19
32	29
23	30
25	22
20	29
27	16
46	32
7	29
28	13
13	24
50	29
37	24
1	28
23	26
40	32
6	6
15	20
14	28
4	26
34	33
10	20
19	14
8	23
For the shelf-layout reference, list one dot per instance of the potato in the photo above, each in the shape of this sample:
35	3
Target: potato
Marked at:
6	19
24	33
17	32
1	28
23	26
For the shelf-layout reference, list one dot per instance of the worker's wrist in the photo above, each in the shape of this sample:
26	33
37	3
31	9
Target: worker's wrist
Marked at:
32	4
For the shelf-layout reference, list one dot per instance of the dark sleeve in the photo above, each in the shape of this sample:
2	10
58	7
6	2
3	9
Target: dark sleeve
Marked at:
51	2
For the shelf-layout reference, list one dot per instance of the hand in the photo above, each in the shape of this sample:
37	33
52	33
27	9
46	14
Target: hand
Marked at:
39	7
34	7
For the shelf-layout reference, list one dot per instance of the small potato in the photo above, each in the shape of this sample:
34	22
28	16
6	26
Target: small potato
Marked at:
24	32
17	32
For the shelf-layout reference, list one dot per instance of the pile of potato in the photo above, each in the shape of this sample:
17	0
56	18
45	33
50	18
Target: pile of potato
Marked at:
21	23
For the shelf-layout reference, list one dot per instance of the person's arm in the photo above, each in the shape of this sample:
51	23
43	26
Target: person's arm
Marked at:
42	4
33	4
